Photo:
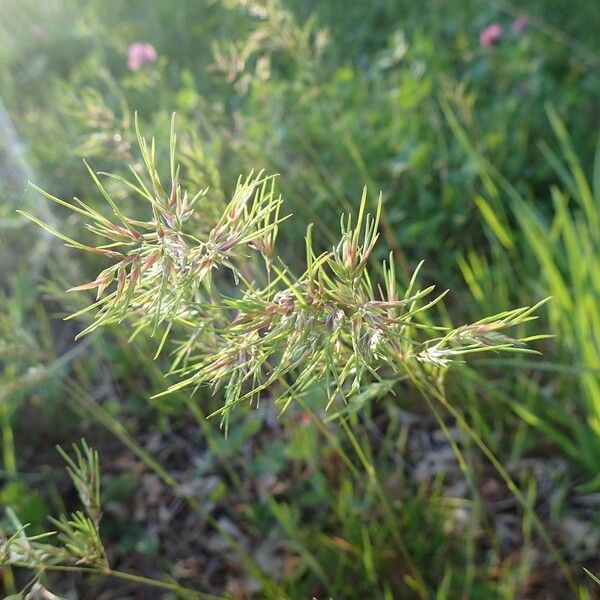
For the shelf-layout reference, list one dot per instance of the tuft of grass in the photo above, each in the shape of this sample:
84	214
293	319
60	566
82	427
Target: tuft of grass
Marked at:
561	242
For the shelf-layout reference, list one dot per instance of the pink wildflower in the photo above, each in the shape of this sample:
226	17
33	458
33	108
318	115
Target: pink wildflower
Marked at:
38	31
140	54
490	35
520	24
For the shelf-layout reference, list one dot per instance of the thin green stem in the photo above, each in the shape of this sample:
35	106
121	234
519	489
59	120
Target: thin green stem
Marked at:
439	394
8	441
157	583
387	508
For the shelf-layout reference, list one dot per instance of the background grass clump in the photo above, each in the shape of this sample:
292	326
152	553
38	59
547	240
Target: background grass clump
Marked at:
478	481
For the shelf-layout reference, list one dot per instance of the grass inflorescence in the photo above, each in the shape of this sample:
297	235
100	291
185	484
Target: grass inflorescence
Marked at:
334	322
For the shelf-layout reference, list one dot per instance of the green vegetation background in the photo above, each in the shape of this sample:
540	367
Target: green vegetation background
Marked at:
486	159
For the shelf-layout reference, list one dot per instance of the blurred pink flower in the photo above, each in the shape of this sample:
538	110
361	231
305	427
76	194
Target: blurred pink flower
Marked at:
490	35
38	31
520	24
140	54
